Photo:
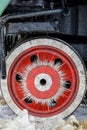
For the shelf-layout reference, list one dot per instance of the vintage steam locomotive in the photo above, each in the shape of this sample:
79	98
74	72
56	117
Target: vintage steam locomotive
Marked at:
43	44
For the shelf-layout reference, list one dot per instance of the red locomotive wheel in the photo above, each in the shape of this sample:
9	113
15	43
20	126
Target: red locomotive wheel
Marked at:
44	76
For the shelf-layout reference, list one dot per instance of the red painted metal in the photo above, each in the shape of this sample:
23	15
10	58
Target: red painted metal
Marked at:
55	82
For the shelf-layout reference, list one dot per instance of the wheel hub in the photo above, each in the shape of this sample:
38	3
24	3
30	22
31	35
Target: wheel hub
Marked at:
42	82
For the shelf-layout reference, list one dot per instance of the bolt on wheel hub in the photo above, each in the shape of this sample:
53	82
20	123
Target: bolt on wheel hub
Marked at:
46	77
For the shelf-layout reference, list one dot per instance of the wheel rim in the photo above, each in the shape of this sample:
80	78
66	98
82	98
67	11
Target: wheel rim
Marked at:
43	79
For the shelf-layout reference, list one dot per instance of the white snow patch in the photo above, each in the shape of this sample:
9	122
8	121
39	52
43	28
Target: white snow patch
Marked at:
22	122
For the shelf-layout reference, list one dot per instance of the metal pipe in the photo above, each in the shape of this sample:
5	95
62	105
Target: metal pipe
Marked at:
3	61
6	18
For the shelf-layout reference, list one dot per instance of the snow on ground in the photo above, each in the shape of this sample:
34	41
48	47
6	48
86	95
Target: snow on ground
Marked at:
6	112
81	112
25	122
10	121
